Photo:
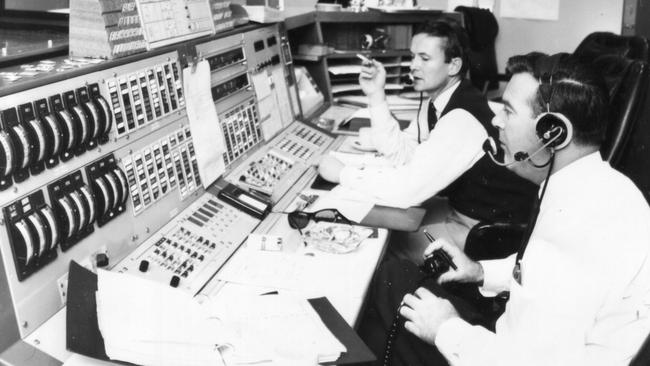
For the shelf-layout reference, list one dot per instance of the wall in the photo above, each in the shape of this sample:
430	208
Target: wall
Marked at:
577	19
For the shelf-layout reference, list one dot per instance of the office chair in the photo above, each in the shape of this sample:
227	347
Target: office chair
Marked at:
627	81
482	29
601	43
633	160
642	357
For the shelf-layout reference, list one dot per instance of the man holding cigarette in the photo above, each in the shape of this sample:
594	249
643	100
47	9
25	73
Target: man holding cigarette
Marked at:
440	151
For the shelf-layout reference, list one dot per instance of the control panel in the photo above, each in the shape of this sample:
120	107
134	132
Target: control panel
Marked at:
98	165
271	170
191	248
80	158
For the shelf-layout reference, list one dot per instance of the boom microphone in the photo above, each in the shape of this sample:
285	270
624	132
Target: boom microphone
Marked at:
490	148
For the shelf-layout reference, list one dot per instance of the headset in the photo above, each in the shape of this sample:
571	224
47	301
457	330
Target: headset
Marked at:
553	129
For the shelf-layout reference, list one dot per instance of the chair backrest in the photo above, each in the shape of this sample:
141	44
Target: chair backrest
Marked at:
627	81
602	43
482	29
634	156
642	357
493	240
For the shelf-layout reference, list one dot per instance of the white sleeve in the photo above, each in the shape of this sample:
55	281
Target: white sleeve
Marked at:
385	135
451	149
497	274
545	322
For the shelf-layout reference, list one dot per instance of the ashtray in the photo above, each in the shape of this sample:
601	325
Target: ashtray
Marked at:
335	238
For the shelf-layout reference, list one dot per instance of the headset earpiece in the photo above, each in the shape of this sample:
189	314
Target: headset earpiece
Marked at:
554	130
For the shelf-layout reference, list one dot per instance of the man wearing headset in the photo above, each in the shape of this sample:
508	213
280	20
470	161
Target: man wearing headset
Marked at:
440	149
579	286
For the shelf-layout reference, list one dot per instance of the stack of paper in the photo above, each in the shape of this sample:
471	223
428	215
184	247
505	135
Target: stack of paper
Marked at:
148	323
286	329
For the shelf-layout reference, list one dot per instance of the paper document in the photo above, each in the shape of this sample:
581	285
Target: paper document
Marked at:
282	95
79	360
340	88
148	323
395	102
329	273
282	326
360	160
344	69
204	123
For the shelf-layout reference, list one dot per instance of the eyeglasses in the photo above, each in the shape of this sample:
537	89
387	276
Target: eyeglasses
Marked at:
300	219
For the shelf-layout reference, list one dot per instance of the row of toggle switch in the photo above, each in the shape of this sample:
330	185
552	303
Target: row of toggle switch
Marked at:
111	192
35	136
36	229
36	238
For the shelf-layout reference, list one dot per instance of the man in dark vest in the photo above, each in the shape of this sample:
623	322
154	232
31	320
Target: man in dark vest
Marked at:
439	153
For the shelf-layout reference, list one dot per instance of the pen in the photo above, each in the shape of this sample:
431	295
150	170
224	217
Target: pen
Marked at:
429	236
364	59
442	252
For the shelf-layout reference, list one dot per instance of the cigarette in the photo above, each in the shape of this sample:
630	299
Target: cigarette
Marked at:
364	58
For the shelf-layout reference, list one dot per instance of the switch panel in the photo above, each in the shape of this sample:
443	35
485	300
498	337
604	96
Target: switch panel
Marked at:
109	187
33	233
74	208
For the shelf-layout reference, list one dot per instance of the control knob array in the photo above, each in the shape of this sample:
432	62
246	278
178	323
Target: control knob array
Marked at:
35	136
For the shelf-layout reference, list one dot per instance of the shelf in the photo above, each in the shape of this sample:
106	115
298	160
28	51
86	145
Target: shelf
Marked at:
374	53
349	32
374	17
298	19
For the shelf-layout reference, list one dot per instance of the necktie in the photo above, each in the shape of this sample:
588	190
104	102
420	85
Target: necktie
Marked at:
433	118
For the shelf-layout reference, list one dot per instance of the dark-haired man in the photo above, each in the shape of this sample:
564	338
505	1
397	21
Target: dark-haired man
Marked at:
439	150
580	285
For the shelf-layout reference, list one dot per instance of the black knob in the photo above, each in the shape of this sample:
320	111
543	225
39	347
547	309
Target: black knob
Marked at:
174	281
101	260
144	265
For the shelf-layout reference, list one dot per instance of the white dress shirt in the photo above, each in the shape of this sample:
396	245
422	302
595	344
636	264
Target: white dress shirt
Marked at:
585	292
420	170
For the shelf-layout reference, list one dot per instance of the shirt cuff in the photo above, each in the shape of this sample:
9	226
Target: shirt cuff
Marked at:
450	337
365	136
496	276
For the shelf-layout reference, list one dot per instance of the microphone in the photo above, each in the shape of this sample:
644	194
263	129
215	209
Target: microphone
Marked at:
490	148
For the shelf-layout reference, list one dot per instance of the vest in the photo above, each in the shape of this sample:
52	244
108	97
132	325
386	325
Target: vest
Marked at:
487	192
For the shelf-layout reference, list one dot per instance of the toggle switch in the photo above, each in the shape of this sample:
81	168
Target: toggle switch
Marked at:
144	266
174	281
